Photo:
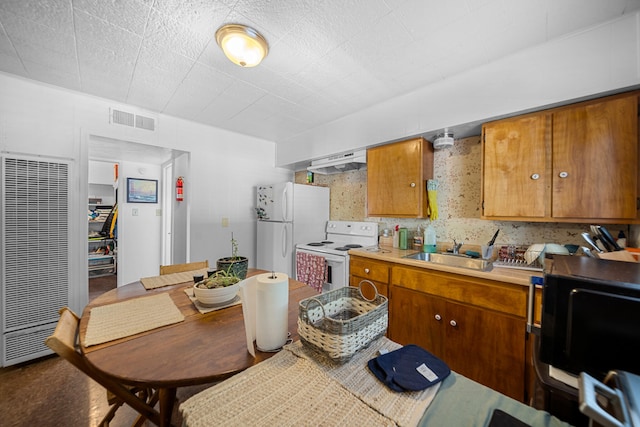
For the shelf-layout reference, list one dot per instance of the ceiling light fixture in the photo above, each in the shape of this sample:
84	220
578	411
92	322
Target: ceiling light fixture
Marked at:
243	45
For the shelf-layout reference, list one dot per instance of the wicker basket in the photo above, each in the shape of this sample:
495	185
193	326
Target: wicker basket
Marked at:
341	322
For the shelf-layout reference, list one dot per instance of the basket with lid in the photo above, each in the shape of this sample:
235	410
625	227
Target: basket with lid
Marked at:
341	322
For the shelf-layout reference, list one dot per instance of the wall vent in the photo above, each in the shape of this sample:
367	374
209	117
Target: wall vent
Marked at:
125	118
121	117
147	123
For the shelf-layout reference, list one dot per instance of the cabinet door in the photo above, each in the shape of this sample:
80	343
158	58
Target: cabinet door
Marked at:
514	170
487	347
395	179
416	318
595	160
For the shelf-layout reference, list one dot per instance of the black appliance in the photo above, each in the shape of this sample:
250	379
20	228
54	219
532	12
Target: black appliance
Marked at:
591	316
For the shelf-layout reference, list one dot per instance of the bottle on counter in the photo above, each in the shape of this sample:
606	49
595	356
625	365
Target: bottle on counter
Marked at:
403	239
429	239
396	237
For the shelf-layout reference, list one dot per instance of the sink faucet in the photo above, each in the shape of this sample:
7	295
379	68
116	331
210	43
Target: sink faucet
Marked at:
456	247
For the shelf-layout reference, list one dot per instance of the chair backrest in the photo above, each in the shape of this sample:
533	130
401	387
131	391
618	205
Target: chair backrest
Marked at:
64	341
179	268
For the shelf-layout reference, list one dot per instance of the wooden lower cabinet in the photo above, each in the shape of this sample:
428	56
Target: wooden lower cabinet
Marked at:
476	326
376	272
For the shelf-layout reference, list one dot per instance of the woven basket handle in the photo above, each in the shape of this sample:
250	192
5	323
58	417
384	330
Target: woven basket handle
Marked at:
306	310
374	288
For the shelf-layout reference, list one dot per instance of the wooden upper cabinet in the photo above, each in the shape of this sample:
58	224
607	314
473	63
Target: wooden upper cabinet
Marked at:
396	178
577	163
514	167
595	160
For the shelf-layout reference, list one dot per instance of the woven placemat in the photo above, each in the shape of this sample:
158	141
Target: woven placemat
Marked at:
404	408
203	308
171	279
283	390
130	317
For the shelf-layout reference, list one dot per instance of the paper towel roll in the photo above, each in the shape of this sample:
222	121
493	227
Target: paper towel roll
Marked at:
272	311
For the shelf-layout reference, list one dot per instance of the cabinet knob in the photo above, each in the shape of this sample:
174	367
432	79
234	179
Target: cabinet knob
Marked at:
438	317
535	176
563	174
453	323
412	185
366	270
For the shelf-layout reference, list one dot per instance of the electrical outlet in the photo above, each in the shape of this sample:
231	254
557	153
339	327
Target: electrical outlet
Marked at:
134	212
225	222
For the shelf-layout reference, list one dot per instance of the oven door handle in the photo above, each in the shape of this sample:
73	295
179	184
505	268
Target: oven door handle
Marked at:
327	257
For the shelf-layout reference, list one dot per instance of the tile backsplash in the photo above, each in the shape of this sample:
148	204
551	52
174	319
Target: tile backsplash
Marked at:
458	171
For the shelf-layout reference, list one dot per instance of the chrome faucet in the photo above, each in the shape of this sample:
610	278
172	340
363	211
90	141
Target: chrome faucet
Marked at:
456	247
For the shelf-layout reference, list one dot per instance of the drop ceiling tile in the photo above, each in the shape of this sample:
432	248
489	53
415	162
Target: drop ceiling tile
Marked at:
12	64
19	29
129	15
152	88
272	19
164	30
90	30
245	92
54	14
421	17
111	64
52	76
201	86
96	84
48	58
165	60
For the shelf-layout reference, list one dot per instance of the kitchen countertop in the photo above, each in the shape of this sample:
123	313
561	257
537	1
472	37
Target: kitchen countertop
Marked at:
501	274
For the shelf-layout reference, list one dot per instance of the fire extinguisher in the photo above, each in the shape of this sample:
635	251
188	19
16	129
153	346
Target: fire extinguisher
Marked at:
179	187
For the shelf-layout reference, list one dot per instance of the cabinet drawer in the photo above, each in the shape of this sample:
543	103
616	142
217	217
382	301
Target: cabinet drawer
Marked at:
372	270
503	297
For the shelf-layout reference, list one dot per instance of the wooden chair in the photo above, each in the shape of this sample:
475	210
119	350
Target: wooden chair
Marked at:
64	341
179	268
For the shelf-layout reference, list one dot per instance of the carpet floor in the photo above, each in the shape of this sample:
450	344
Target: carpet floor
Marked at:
51	392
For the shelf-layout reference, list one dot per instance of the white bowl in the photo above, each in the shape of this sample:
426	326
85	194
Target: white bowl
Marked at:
216	295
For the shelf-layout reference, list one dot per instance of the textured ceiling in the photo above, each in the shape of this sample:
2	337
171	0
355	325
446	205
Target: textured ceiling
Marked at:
327	59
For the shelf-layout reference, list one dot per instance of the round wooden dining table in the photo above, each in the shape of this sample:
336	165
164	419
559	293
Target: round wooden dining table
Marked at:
202	349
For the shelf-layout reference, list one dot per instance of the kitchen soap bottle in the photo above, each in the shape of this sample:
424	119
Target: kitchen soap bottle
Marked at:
429	239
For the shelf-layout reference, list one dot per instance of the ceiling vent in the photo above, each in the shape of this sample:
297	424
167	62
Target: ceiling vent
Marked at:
443	140
133	120
345	162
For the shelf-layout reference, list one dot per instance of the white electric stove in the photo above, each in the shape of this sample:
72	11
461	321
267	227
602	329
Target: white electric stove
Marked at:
334	247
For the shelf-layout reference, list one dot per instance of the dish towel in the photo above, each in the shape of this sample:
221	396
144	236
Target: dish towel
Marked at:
432	199
311	269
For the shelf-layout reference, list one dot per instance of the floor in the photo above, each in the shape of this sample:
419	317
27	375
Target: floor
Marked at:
51	392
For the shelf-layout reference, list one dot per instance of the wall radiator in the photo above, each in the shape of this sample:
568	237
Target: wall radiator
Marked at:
34	257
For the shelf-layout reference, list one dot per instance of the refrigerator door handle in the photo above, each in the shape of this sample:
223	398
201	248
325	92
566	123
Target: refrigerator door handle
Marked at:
284	203
284	241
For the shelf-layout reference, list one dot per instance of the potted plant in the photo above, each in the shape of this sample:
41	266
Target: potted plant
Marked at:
218	288
238	265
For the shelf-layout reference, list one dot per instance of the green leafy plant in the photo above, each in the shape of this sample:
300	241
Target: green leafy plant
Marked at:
219	279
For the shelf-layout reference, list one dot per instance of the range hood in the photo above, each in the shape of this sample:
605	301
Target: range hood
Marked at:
349	161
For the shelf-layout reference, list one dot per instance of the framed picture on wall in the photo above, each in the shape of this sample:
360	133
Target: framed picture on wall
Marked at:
141	190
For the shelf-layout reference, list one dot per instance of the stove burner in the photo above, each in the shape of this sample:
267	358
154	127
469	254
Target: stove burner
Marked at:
342	248
352	246
327	242
316	244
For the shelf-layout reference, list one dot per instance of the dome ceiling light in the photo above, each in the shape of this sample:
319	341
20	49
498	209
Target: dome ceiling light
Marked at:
243	45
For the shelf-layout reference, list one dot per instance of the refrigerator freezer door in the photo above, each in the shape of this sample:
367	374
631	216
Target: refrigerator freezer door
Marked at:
276	202
275	247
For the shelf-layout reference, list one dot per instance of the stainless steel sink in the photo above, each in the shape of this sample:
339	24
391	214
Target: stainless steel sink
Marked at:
454	260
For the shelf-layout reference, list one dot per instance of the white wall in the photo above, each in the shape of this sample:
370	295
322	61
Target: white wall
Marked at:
225	167
591	61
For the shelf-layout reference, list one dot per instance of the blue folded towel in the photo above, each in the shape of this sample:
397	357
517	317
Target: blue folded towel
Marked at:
409	368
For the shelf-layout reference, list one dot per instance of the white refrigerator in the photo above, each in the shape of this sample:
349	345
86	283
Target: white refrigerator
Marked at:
288	214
